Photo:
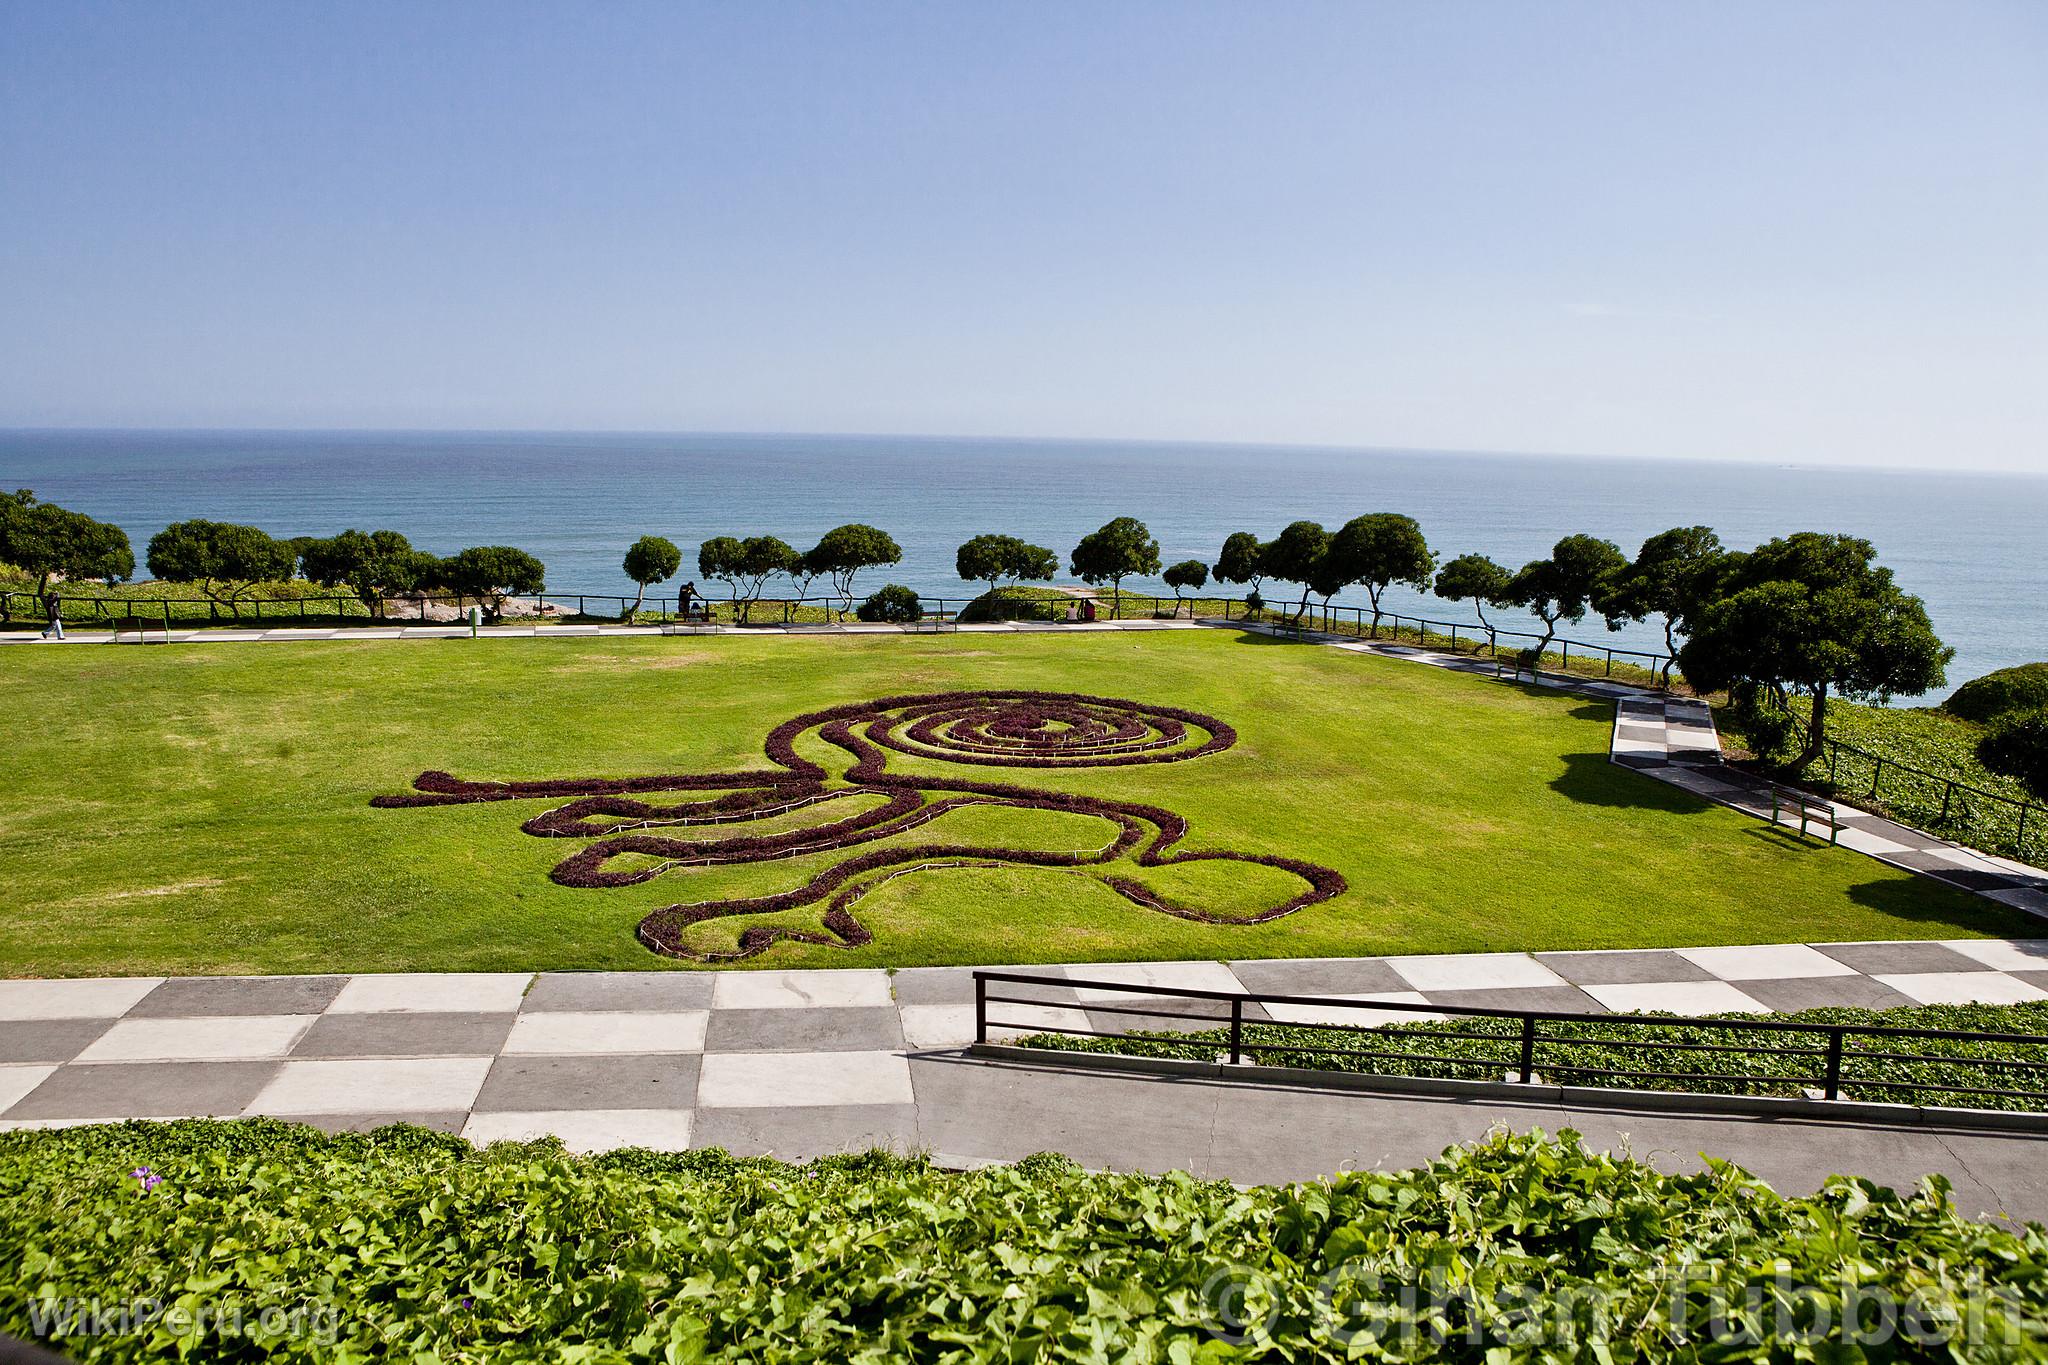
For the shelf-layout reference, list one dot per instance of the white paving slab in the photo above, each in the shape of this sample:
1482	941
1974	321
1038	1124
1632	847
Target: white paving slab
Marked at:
1964	988
424	1085
587	1130
16	1081
1677	997
1474	971
1185	976
2005	955
799	989
1337	1014
432	992
565	1031
236	1038
1766	962
105	997
773	1080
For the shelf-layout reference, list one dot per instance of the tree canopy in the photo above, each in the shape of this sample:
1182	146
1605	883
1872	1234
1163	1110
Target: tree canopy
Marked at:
745	566
48	541
1375	551
1667	578
1478	580
842	552
493	573
992	558
1240	560
374	564
893	603
1813	614
1114	552
1296	555
1563	586
650	559
1188	574
224	558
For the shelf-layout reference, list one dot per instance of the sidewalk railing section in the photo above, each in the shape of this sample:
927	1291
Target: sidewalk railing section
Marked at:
1949	806
1752	1057
167	613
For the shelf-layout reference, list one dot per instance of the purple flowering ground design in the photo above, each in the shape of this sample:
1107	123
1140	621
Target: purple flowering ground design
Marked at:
997	729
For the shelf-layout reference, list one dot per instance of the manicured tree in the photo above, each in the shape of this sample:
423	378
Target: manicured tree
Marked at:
1377	550
992	558
1296	555
1240	561
650	559
804	572
1189	573
1813	614
1665	579
892	602
374	565
1478	580
844	551
224	559
493	573
46	540
759	559
1561	587
718	559
2018	747
1113	553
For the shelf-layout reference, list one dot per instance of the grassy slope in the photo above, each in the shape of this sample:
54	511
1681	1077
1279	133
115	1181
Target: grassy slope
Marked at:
194	809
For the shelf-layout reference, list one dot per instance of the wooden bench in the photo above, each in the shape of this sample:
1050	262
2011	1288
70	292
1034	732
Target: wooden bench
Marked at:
142	627
1811	812
1513	665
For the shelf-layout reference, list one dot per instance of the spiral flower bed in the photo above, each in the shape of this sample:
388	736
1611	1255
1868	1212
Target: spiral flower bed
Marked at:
1013	729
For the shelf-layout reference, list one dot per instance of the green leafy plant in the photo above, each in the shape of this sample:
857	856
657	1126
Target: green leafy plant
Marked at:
650	559
892	602
1114	552
226	560
2023	687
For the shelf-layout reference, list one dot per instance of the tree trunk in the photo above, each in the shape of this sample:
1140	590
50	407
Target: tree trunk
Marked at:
1816	729
1374	594
1670	654
638	598
1116	608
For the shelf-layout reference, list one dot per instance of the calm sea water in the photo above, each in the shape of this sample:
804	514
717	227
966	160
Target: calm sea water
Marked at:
1971	545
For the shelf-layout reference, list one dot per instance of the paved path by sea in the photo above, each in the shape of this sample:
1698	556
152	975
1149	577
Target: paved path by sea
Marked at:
798	1063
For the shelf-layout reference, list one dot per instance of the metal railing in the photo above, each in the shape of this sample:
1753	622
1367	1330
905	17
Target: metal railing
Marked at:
1947	805
1822	1060
167	613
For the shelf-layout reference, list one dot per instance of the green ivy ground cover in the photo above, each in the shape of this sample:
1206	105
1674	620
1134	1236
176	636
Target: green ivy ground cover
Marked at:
206	809
1485	1048
403	1245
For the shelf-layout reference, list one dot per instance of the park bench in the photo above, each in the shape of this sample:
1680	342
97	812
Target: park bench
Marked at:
1514	664
141	627
1810	812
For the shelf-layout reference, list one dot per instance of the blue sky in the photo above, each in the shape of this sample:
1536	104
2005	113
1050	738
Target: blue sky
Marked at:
1783	231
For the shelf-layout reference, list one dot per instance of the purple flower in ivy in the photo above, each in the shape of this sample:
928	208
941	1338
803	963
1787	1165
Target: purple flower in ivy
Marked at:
145	1177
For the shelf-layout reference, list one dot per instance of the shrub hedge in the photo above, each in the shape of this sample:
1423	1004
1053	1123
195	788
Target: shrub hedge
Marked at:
2023	687
402	1244
1485	1048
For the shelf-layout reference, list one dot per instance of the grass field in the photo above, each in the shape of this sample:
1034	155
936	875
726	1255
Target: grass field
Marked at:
206	809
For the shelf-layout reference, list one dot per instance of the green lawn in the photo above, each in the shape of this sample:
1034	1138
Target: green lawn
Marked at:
206	809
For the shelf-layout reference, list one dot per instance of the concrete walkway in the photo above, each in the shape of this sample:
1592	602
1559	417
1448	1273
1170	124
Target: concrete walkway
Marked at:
805	1062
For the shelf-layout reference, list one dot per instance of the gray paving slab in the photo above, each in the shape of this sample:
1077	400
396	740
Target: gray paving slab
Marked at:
593	992
811	1131
851	1028
1787	995
118	1090
1319	976
394	1034
199	997
1623	968
955	985
439	1120
1889	958
1563	999
48	1040
655	1080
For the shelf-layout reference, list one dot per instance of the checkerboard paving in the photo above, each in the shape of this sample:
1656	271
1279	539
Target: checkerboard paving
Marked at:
799	1062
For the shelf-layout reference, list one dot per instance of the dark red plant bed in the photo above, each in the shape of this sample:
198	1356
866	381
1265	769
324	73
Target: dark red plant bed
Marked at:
1011	729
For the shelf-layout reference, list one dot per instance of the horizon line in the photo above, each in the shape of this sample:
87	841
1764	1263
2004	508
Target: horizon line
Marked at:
1148	442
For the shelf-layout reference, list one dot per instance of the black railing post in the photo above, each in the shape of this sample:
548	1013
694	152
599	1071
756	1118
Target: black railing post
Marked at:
1528	1048
1832	1089
1236	1030
980	1008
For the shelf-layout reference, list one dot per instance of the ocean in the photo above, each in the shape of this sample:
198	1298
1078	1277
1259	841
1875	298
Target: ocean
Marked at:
1969	544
